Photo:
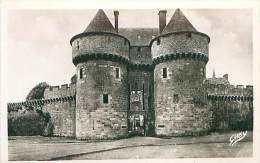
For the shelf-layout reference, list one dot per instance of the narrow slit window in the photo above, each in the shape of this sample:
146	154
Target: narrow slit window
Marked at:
81	73
117	73
78	45
105	98
158	41
175	98
165	73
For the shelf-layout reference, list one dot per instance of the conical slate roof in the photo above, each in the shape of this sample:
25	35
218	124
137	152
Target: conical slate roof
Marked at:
100	23
178	23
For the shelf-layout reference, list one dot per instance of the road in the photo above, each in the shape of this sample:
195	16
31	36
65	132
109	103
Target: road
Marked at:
56	148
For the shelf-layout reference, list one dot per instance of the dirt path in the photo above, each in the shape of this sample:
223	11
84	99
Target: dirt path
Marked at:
46	148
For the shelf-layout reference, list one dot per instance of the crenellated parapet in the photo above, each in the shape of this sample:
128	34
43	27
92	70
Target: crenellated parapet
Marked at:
229	90
40	102
229	98
176	56
60	91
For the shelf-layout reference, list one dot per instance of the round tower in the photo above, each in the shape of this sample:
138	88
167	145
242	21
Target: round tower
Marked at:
180	55
101	57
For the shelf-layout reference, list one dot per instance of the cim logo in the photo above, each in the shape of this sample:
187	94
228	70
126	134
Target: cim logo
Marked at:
237	137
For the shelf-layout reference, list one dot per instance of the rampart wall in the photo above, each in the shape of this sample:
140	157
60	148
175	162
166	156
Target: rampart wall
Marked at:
232	107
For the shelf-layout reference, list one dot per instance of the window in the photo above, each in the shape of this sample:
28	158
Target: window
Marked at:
164	72
105	98
125	42
117	73
81	73
158	41
139	49
202	71
175	98
161	126
78	45
188	35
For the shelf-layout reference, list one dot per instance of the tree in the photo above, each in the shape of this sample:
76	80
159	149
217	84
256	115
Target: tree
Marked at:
37	92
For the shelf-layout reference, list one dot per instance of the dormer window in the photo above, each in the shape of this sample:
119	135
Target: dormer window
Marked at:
138	37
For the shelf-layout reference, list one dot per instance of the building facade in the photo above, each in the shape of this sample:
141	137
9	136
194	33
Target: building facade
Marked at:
143	81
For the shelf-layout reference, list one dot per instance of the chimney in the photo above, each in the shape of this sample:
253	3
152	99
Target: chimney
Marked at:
162	20
225	76
116	13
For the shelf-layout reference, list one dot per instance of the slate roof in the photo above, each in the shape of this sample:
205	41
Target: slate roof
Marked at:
100	23
178	23
138	36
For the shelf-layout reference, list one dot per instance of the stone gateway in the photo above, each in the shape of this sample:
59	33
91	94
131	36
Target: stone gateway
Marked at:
142	81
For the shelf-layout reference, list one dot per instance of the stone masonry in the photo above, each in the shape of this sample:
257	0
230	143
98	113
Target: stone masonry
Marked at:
145	81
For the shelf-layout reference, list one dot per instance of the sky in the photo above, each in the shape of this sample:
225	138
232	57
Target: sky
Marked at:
39	50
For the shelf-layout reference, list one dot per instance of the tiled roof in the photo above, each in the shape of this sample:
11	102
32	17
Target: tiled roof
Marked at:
100	23
139	36
178	23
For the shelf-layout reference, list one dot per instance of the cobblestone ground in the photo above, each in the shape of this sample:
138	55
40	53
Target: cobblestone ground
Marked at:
45	148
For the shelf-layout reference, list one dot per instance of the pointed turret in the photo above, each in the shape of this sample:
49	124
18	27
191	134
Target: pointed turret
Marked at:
178	23
100	23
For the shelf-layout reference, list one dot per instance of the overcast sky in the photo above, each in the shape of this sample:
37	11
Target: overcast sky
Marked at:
39	49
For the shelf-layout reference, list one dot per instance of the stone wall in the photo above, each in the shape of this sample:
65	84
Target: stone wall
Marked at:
232	106
231	115
179	43
229	90
180	99
140	55
60	91
101	43
96	119
62	117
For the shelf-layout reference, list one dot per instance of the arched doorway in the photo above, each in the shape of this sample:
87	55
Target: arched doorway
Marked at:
137	124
